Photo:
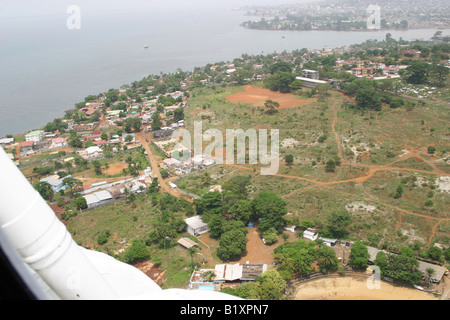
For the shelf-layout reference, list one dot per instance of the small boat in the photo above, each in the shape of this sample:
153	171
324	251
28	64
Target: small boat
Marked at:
146	46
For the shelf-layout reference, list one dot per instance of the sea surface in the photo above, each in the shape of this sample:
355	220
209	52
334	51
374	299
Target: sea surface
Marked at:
46	67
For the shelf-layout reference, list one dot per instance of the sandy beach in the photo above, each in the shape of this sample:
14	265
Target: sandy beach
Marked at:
357	289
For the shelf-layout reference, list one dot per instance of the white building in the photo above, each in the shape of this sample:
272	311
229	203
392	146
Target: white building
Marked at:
92	153
35	136
98	198
310	234
7	141
310	83
196	226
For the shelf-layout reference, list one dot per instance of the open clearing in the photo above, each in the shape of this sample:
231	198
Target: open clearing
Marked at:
257	96
356	289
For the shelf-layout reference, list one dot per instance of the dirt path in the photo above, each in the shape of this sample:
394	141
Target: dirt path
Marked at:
372	170
142	137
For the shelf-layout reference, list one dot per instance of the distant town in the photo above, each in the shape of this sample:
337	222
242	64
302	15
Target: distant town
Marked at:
349	15
111	154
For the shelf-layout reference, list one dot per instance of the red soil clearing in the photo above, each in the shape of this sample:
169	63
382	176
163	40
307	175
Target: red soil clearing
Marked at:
257	97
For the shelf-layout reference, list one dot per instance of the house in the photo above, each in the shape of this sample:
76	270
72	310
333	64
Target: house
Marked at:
92	136
99	142
238	271
228	272
40	146
26	148
196	226
170	108
310	74
310	234
310	83
172	162
329	242
58	142
35	136
187	243
6	141
160	134
131	135
56	183
113	114
98	198
93	152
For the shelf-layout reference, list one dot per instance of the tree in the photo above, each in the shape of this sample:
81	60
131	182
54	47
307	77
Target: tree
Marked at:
240	76
45	190
368	98
359	255
439	73
296	84
191	251
326	259
403	268
97	167
338	221
271	106
235	189
289	158
398	192
280	81
270	209
330	166
280	66
295	257
137	252
232	244
164	173
241	210
434	253
156	121
178	114
271	285
80	203
209	203
418	72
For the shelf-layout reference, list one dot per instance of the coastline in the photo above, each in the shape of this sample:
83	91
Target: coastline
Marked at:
353	30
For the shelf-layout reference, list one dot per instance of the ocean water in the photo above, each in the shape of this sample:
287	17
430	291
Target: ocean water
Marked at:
45	67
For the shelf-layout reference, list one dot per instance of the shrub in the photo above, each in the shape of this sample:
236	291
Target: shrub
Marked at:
137	252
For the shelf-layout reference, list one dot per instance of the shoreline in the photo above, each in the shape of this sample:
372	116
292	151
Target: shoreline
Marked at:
353	30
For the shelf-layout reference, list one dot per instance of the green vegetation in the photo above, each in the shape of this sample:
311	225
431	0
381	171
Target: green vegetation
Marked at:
362	163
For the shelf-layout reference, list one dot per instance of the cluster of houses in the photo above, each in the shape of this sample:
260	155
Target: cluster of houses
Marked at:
225	274
222	274
194	163
39	140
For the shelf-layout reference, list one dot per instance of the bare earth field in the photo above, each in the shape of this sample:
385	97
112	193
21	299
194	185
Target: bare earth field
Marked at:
257	96
356	289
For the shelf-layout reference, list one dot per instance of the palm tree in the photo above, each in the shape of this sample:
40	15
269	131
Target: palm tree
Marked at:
191	252
327	259
428	274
